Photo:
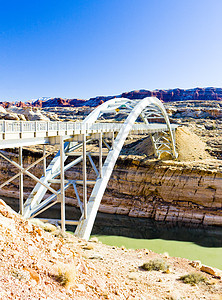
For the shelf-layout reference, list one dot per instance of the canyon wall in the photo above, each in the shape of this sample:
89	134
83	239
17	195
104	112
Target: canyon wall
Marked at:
163	191
172	193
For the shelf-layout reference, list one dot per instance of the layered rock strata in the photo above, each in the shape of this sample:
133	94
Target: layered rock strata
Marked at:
165	191
174	193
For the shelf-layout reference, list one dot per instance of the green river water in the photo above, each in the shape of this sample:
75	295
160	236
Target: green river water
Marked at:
194	243
211	256
204	244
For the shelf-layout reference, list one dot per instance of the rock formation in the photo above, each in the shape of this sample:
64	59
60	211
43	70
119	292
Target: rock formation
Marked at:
22	114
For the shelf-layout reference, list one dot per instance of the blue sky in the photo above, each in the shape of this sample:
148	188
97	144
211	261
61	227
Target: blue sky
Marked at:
86	48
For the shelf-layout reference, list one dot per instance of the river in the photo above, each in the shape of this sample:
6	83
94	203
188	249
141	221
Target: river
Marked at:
204	244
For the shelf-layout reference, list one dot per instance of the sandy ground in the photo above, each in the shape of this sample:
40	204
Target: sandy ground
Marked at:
35	264
190	146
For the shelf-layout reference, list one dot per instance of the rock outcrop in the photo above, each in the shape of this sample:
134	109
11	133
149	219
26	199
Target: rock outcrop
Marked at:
209	94
5	115
25	113
196	109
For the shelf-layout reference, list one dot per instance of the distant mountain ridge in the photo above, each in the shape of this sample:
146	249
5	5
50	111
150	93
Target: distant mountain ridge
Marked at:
209	93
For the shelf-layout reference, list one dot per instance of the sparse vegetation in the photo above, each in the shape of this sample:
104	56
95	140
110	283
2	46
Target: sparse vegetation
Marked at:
193	278
37	265
155	265
20	274
66	275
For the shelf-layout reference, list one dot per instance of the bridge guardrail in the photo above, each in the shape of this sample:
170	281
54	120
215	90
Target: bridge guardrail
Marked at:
10	126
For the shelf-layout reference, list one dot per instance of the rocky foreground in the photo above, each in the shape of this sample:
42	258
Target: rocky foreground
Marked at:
35	264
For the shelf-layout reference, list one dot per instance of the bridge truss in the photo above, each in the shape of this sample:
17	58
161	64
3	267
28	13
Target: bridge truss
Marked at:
82	142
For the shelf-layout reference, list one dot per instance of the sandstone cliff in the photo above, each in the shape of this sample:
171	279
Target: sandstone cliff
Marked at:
165	192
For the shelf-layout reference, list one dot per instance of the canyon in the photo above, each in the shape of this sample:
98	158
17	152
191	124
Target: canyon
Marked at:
181	192
186	191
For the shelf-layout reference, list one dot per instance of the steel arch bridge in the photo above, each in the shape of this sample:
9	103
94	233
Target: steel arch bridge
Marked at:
73	139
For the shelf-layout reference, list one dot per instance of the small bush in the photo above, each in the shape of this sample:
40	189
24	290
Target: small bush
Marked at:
155	265
66	275
193	278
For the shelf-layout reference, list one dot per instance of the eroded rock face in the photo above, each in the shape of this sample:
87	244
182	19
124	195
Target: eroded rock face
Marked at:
27	113
195	109
2	110
197	94
165	193
9	116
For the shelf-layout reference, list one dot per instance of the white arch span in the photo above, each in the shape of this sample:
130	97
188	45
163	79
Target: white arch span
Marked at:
148	109
84	228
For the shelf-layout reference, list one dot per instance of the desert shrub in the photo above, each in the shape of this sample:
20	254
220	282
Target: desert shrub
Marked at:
155	265
193	278
66	275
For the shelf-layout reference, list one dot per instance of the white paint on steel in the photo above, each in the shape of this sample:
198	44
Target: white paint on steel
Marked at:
87	126
41	187
28	173
84	177
44	161
100	155
61	196
20	183
84	228
26	169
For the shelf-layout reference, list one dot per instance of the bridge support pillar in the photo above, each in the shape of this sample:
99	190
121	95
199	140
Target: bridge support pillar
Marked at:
113	139
62	189
21	205
84	177
44	161
100	154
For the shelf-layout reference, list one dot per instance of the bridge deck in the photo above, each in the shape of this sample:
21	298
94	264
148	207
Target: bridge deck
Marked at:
22	133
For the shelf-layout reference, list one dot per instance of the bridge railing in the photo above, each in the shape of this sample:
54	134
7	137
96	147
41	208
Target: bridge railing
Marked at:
38	126
10	126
